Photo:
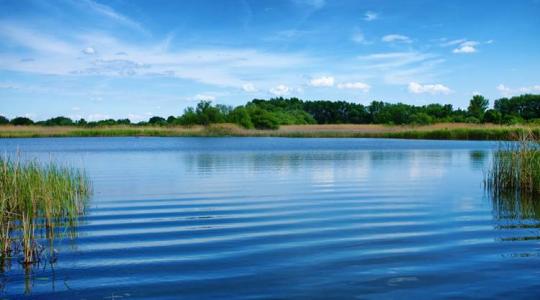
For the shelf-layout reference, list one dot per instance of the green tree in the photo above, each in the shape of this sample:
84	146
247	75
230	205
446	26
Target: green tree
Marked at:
157	121
478	106
492	116
263	119
189	117
208	114
421	119
21	121
59	121
4	120
241	117
123	121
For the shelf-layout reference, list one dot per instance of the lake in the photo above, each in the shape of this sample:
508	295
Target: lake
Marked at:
280	218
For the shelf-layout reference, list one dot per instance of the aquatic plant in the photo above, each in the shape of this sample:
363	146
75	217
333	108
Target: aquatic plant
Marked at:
37	202
515	167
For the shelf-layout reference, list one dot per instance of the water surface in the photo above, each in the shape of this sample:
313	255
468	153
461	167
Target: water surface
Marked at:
282	218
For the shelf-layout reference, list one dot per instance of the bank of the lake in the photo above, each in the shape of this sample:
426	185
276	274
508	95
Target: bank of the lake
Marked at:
442	131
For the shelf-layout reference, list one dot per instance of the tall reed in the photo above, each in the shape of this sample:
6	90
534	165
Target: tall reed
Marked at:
516	167
38	202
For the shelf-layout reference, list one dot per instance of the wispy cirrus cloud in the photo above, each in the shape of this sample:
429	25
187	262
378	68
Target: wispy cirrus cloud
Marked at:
401	67
396	38
34	40
316	4
226	67
110	13
370	16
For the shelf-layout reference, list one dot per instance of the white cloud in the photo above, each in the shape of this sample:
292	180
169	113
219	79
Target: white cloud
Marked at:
324	81
507	91
396	38
370	16
504	90
204	97
417	88
530	89
89	51
249	88
354	85
280	90
466	47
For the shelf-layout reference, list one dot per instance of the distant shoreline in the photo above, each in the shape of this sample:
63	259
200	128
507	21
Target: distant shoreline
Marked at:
441	131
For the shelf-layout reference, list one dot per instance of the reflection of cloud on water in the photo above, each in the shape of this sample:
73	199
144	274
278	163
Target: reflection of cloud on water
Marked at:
323	177
412	165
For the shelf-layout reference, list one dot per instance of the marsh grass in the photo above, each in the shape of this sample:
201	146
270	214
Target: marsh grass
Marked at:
515	168
38	202
441	131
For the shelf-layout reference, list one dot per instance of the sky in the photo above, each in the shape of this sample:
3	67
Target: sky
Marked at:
133	58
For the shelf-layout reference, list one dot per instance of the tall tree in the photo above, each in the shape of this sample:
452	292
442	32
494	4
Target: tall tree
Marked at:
477	106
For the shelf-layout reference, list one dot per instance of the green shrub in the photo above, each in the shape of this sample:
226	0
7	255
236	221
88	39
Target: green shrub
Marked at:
241	117
263	119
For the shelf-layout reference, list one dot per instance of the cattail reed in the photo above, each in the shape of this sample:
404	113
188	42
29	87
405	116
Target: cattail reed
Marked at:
515	167
38	202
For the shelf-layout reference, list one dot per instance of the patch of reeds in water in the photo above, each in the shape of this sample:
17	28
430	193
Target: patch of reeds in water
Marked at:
515	168
38	203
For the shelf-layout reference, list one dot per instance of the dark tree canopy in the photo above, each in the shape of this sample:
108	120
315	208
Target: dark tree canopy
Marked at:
270	114
21	121
59	121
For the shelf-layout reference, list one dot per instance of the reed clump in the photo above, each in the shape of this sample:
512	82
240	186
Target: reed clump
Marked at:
38	203
515	167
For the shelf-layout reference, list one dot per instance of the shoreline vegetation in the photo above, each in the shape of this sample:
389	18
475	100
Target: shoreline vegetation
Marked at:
515	168
441	131
39	202
292	117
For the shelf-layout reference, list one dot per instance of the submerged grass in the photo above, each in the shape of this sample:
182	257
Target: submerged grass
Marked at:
37	202
515	168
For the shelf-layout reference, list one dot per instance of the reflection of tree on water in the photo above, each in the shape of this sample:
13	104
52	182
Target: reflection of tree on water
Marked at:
478	159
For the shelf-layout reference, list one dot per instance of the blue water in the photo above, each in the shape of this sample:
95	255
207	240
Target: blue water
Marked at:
198	218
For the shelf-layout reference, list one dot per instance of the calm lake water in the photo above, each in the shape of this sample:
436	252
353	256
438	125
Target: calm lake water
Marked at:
285	218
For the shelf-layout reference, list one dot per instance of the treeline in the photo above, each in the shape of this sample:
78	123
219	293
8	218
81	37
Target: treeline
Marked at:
270	114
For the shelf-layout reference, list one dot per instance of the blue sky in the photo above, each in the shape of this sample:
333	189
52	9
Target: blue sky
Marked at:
115	59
